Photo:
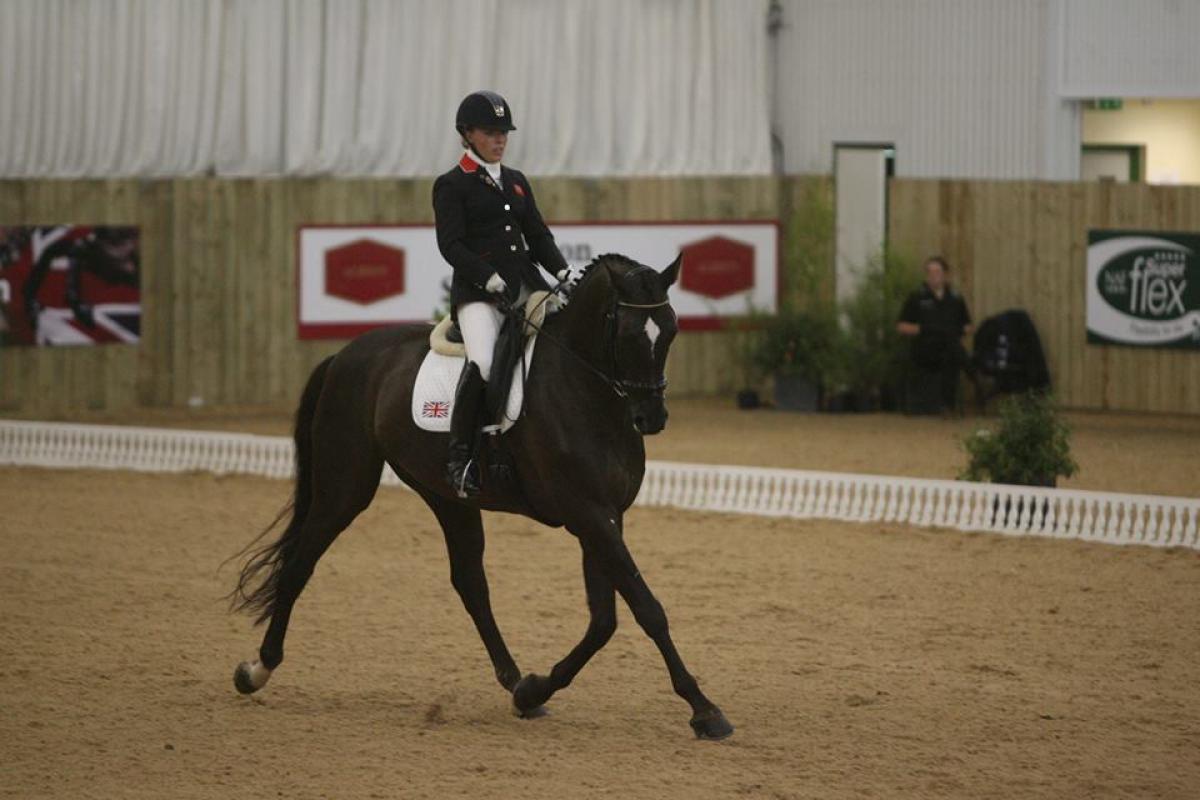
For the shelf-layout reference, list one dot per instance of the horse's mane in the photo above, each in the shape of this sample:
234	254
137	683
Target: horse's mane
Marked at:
623	265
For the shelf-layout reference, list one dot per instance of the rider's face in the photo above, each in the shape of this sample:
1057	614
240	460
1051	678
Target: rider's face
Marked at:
488	142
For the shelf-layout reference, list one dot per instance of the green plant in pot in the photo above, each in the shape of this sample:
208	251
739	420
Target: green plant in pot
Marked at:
871	355
1030	447
796	347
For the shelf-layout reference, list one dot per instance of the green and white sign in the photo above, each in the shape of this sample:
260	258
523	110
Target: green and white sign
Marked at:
1143	288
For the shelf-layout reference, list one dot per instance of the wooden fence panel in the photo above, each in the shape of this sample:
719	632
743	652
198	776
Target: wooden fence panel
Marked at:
219	277
1023	244
219	282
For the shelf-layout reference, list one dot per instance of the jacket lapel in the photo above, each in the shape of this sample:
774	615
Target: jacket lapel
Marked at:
487	179
471	167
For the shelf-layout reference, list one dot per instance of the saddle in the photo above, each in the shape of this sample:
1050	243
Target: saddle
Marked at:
433	391
446	338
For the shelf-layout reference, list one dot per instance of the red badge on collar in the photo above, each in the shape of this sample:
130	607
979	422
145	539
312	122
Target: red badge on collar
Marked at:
519	189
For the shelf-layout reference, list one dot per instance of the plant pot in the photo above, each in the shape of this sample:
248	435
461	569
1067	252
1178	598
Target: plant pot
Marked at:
796	393
865	402
748	399
840	403
888	398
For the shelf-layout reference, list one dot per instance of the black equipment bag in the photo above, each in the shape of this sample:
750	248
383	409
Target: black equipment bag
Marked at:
1009	350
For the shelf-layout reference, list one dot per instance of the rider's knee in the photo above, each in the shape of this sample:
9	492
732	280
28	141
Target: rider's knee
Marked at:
485	366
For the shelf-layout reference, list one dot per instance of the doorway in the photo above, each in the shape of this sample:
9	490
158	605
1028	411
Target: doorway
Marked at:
860	174
1116	162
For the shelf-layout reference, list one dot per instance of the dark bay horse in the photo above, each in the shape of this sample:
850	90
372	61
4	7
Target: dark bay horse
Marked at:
596	387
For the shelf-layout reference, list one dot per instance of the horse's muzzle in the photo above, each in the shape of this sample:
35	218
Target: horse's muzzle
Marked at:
650	415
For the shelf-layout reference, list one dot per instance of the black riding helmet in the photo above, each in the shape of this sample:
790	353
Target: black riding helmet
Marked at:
483	109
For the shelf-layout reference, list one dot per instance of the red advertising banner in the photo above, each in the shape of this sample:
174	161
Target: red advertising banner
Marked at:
63	285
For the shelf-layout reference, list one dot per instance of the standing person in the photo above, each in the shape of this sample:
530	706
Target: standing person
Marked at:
490	231
936	318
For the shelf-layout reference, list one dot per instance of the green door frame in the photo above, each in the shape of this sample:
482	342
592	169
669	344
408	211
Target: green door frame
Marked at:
1136	153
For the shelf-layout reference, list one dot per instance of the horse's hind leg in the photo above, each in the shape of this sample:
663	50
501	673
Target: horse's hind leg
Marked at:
534	690
345	477
463	529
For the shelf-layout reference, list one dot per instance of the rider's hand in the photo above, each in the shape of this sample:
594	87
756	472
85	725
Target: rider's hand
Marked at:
496	284
563	275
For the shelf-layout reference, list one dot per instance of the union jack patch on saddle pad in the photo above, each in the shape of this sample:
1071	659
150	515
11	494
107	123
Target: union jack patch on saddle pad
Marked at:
435	409
433	391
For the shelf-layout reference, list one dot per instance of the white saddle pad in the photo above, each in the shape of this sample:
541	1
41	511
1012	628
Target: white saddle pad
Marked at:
433	394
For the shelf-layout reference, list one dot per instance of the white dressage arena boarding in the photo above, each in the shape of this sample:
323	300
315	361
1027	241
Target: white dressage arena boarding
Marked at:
799	494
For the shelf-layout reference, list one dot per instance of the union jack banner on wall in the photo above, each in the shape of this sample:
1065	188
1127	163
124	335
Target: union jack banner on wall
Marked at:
69	285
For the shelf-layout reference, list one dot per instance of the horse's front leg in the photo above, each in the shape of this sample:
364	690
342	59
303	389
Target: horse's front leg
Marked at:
534	690
607	538
609	558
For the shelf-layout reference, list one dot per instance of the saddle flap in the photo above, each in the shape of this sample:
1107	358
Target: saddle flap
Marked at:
433	391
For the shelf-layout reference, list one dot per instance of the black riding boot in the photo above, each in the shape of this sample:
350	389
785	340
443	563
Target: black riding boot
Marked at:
461	471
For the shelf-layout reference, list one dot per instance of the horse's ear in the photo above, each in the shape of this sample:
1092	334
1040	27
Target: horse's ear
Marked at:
669	275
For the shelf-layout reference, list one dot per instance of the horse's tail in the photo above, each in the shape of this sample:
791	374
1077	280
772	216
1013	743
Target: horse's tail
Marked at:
263	566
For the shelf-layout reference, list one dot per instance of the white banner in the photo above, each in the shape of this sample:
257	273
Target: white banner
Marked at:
728	267
1143	288
354	278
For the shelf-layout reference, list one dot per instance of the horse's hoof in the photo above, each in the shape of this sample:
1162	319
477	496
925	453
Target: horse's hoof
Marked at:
248	678
529	695
533	713
711	725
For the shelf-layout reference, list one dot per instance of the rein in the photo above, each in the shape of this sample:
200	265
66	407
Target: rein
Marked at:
618	386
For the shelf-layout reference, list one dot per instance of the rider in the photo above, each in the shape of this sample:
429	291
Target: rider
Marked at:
490	231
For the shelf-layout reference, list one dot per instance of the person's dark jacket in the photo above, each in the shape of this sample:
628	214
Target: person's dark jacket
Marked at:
1008	348
941	322
483	228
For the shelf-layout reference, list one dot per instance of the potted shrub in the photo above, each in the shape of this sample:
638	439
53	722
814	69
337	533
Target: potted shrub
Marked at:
741	338
796	348
1031	446
870	354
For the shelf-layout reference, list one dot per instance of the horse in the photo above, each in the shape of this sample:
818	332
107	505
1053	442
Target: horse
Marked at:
596	387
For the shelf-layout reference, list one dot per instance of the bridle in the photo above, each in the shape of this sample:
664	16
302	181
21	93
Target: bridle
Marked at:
622	384
619	385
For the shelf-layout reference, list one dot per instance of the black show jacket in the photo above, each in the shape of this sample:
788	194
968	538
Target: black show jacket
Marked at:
482	228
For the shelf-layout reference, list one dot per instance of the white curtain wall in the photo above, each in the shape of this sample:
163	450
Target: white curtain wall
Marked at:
370	87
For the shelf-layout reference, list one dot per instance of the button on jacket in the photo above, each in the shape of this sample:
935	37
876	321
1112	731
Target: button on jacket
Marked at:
484	228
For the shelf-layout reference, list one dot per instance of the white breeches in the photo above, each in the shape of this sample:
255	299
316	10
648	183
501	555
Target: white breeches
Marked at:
480	325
